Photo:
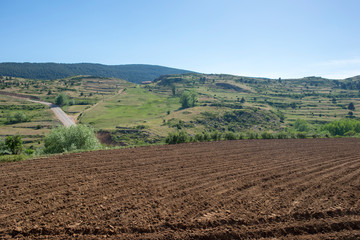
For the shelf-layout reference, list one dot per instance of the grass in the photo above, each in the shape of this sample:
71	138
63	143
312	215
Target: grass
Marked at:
136	106
154	105
12	158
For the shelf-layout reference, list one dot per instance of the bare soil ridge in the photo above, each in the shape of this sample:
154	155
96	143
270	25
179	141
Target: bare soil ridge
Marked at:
283	189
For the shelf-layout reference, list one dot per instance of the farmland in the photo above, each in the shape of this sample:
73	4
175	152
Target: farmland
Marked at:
294	188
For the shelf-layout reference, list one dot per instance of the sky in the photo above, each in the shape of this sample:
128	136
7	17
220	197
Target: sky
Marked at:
259	38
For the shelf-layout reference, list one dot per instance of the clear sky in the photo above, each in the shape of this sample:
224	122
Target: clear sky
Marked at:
265	38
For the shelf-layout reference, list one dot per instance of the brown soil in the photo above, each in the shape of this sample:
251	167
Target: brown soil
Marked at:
270	189
104	137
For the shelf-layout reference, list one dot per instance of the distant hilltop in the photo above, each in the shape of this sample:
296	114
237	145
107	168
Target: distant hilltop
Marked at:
135	73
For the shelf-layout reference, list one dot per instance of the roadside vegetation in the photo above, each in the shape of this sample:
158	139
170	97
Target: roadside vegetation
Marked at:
74	138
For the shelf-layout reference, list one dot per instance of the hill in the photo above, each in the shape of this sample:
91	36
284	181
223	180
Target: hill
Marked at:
131	114
49	71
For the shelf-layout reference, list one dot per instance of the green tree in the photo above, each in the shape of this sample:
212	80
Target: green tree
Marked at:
20	117
351	106
62	99
14	144
341	127
4	148
242	100
301	125
173	90
188	99
62	139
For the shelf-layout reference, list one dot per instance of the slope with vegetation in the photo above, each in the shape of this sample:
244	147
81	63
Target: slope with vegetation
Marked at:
198	107
50	71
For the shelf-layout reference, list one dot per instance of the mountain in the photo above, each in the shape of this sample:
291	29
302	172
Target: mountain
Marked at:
131	72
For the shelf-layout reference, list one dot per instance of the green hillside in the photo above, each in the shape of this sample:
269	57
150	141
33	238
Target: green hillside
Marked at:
132	114
132	72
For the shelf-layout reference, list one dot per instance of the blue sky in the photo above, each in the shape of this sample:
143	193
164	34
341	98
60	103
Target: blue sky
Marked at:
265	38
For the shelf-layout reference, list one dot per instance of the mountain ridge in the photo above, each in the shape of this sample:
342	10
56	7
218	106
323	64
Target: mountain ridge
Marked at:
135	73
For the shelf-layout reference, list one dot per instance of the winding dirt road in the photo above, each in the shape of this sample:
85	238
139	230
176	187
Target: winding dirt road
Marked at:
59	113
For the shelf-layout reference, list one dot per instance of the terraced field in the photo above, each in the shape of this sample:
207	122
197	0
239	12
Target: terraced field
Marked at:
290	189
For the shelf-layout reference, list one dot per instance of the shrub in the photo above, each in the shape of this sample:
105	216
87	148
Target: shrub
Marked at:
14	144
230	136
199	137
188	99
281	135
62	99
266	135
343	126
301	135
18	117
301	125
62	139
216	136
252	135
29	151
177	137
4	150
12	158
206	137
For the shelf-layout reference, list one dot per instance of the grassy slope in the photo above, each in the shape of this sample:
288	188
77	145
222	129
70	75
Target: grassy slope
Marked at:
148	105
155	107
131	72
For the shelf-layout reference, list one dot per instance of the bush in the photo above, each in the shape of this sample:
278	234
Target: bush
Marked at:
281	135
188	99
62	139
341	127
4	150
301	125
12	158
18	117
252	135
14	144
177	137
62	99
199	137
230	136
301	135
266	135
29	151
207	137
216	136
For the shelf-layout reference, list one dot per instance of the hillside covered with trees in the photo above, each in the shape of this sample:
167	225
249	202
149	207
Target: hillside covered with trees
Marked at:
49	71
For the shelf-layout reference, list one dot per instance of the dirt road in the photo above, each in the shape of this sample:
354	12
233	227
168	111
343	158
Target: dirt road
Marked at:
59	113
249	189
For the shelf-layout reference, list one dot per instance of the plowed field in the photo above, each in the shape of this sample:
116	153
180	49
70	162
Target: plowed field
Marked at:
290	189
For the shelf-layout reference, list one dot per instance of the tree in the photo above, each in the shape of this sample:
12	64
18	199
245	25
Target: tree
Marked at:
14	144
188	99
73	138
301	125
4	150
20	117
62	99
242	100
351	106
173	90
